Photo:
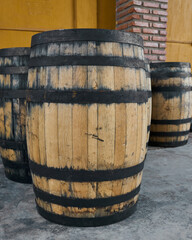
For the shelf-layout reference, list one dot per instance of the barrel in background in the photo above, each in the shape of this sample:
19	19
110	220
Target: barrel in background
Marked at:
171	104
13	82
87	106
149	103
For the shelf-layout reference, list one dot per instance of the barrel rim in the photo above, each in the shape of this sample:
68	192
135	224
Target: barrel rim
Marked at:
86	34
169	64
18	51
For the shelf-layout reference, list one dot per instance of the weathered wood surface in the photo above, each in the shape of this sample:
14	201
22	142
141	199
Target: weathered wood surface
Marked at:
88	137
13	113
171	104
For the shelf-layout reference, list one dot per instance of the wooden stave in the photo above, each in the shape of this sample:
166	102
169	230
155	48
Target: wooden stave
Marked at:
148	76
15	163
34	178
175	81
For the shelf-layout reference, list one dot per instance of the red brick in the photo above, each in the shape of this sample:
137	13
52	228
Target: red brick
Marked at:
150	18
162	45
159	12
163	19
151	44
135	30
164	6
123	26
128	18
120	2
152	57
160	39
145	51
164	1
159	52
126	12
150	31
141	10
139	24
151	4
159	25
124	6
121	14
136	2
162	58
163	32
145	37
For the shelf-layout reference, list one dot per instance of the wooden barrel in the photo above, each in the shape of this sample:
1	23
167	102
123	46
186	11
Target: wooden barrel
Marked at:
149	103
13	83
87	124
171	104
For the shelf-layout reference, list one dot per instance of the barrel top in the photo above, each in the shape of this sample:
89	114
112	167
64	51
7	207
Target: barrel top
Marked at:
170	64
7	52
102	35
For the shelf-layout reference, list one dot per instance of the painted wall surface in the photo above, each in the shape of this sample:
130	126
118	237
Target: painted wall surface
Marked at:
179	31
20	19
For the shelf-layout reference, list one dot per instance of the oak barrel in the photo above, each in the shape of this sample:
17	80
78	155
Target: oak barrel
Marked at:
87	124
149	103
13	83
171	103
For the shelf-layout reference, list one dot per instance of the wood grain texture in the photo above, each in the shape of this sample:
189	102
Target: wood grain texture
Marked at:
171	106
13	119
179	34
91	136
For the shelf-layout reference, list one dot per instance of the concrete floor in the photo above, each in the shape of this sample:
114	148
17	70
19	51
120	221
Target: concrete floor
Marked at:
164	210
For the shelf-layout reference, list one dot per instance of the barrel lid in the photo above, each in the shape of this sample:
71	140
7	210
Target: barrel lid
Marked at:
7	52
102	35
170	64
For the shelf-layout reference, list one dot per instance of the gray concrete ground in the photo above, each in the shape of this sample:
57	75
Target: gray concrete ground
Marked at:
164	210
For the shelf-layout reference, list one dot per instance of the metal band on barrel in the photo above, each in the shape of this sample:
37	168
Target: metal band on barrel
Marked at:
87	222
13	93
12	144
85	96
86	61
162	65
168	144
82	202
165	74
15	165
169	134
97	35
172	89
10	52
72	175
171	122
14	70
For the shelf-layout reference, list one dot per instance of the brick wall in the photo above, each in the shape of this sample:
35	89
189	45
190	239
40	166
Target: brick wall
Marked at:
147	18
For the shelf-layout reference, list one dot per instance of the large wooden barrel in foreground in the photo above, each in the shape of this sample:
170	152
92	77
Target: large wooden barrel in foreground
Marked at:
87	124
171	104
13	83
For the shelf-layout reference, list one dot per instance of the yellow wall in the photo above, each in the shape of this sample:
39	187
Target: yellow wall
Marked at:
179	31
20	19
